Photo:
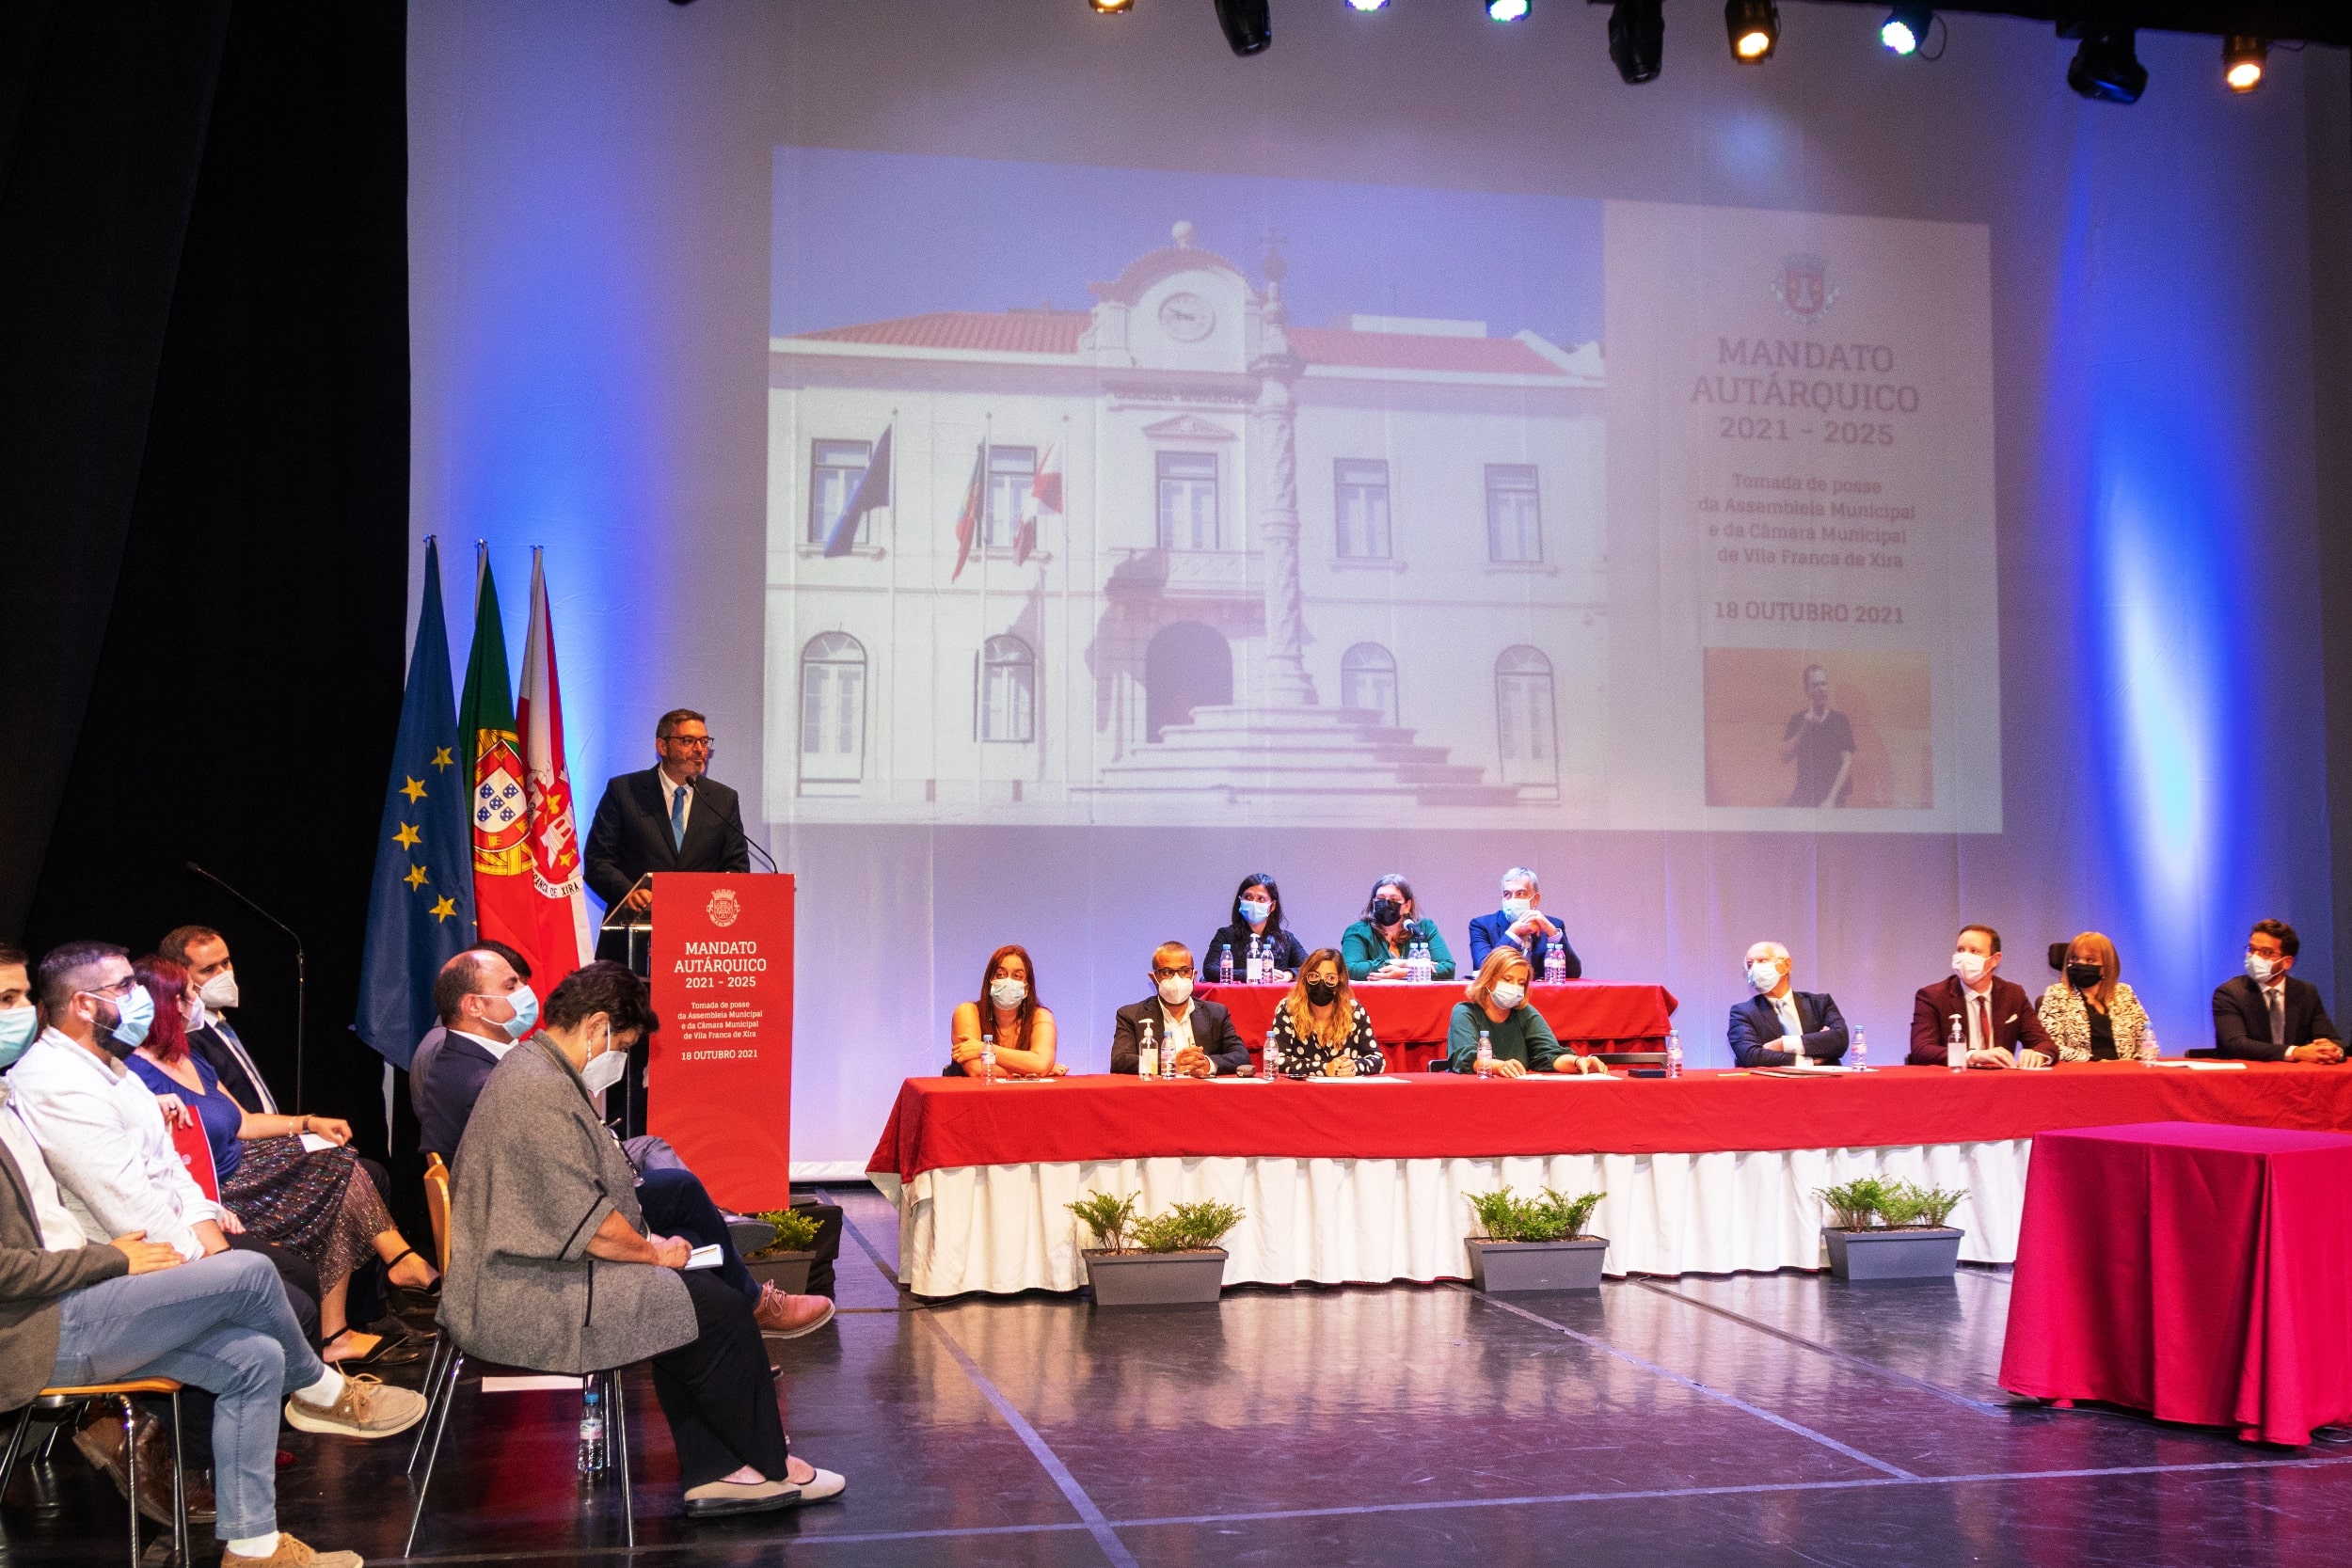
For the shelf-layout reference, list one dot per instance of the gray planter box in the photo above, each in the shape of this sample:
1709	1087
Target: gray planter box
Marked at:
1859	1257
1155	1278
786	1270
1504	1266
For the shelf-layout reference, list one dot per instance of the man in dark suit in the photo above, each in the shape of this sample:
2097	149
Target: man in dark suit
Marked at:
672	817
1519	924
1205	1043
213	975
1780	1026
1995	1017
2267	1015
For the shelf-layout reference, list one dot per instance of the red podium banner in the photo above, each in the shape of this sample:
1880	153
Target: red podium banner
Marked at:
720	1070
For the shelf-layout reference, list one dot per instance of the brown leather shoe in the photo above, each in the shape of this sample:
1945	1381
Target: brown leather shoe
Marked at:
101	1442
784	1317
291	1554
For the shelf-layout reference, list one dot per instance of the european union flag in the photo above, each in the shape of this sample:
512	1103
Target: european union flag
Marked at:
421	907
873	490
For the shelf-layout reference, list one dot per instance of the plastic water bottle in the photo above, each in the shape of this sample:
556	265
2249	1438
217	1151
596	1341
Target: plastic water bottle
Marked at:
1486	1065
1956	1048
1425	968
1225	965
1270	1064
1555	966
1148	1055
1861	1052
1673	1052
1256	971
988	1054
591	1428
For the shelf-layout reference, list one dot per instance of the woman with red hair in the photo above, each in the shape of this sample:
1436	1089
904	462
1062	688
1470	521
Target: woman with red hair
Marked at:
316	1204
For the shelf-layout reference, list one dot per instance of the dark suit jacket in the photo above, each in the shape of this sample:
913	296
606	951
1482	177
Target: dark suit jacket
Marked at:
31	1280
2241	1022
1487	931
445	1102
1212	1031
1755	1025
630	835
1288	955
209	1044
2014	1018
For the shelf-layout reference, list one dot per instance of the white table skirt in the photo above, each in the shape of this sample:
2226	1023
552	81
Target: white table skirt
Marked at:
1003	1227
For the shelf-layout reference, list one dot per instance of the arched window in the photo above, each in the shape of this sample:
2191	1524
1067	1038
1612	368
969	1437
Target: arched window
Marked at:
1008	695
833	708
1368	680
1524	729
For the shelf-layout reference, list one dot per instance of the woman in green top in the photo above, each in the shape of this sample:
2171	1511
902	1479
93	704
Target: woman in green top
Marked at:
1376	945
1522	1041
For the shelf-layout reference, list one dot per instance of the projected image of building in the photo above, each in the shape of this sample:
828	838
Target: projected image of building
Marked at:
1176	559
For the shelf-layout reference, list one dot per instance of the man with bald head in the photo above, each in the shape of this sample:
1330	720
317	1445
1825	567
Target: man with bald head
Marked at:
476	998
1782	1026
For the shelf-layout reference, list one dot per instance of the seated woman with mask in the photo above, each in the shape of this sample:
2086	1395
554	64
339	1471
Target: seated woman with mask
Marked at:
1257	916
1008	1009
1321	1030
317	1204
551	1266
2092	1016
1523	1040
1377	945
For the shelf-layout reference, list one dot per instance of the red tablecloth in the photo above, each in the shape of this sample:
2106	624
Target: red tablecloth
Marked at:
1409	1021
957	1121
2202	1273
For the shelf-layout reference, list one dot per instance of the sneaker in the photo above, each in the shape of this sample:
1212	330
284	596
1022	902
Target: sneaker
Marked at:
719	1499
290	1554
368	1408
784	1317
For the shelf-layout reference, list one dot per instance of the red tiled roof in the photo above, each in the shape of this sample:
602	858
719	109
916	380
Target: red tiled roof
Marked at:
1057	332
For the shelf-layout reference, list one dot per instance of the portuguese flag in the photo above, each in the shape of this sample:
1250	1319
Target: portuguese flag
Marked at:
505	895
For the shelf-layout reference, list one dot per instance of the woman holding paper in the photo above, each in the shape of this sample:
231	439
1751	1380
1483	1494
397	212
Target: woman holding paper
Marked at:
1498	1008
1321	1030
311	1201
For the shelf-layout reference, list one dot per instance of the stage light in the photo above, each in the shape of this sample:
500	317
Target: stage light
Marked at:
1906	28
1505	10
1367	5
1249	25
1112	8
1637	39
1755	29
2242	60
2106	67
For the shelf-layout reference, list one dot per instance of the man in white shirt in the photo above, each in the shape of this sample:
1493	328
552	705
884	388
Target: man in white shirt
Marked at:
1196	1037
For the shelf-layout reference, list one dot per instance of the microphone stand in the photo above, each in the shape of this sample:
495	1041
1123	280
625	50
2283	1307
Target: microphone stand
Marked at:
735	820
302	978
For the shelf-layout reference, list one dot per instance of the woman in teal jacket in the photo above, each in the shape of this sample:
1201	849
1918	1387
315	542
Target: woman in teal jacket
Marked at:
1376	945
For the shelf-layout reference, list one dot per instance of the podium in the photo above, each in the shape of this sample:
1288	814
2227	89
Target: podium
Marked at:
719	1068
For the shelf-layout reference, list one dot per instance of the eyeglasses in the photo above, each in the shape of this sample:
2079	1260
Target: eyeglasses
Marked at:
120	988
694	742
1184	973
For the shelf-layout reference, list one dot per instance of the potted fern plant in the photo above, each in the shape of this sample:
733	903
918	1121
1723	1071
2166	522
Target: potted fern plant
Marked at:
1170	1260
784	1262
1534	1243
1882	1230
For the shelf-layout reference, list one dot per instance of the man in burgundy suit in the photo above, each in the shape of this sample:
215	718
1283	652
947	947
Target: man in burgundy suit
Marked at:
1995	1017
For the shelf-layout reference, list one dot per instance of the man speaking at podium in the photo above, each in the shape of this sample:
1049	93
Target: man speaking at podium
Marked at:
671	817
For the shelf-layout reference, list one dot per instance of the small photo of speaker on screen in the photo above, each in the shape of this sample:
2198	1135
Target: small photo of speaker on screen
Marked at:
1818	728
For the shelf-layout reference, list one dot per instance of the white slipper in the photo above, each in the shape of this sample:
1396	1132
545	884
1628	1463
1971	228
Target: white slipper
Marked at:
821	1486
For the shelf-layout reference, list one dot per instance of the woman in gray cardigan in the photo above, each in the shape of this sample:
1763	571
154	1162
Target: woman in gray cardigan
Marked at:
552	1268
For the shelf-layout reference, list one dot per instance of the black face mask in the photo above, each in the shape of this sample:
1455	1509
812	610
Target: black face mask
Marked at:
2084	976
1386	911
1321	992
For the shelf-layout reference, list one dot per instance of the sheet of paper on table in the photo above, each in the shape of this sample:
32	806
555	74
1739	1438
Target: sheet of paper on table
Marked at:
1379	1080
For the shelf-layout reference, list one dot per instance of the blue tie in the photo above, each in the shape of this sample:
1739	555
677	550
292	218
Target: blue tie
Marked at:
677	819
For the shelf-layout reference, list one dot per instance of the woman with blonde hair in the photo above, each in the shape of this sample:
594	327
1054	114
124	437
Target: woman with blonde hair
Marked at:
1498	1008
2092	1016
1320	1029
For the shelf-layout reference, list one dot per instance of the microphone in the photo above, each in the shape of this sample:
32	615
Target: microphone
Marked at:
301	965
735	820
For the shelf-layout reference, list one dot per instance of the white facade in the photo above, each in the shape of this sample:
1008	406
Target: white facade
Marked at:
1425	642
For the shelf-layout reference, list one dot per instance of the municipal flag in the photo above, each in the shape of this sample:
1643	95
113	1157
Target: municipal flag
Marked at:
421	909
498	810
561	909
1044	501
873	490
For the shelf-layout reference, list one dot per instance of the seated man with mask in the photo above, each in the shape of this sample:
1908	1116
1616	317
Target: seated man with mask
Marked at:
486	1010
1520	926
1996	1019
1779	1025
20	1021
556	1267
1194	1038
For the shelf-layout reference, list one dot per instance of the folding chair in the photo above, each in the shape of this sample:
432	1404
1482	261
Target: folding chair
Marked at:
124	1393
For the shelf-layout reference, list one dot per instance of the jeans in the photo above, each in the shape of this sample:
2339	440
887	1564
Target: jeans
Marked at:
220	1323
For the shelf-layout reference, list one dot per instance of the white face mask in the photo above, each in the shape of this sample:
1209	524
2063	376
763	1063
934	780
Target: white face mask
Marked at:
607	1070
219	993
1970	967
1516	908
1176	990
1255	913
1006	992
1507	996
1763	974
2259	969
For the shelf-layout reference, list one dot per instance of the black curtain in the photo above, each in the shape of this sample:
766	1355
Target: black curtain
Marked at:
204	473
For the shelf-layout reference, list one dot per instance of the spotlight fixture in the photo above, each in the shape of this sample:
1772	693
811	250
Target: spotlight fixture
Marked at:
2243	61
1906	28
2107	68
1754	26
1249	25
1505	10
1112	8
1367	5
1637	39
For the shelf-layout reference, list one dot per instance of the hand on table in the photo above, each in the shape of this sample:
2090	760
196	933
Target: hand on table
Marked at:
1340	1066
1395	969
1506	1068
1996	1059
1574	1064
1193	1062
2031	1060
2324	1052
1280	977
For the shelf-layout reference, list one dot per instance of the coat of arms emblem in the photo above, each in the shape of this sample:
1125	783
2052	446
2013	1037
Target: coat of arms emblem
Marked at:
1804	288
723	909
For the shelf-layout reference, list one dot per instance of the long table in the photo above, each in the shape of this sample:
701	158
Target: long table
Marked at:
1366	1180
1410	1021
